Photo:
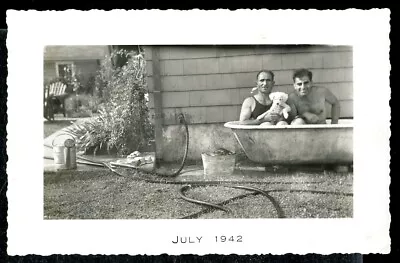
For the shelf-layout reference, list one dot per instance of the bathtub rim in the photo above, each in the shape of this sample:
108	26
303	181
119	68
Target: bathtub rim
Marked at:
348	123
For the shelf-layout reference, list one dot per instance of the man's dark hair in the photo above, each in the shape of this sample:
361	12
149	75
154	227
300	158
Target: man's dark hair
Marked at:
266	71
302	73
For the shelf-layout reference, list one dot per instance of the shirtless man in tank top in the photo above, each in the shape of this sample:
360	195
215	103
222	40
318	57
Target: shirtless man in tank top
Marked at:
310	100
254	106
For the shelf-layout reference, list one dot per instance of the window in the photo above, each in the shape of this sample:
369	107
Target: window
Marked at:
65	70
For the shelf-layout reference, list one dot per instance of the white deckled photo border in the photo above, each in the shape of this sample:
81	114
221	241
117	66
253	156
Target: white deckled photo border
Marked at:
366	30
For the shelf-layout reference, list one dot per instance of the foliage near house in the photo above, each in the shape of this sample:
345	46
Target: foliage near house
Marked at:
122	125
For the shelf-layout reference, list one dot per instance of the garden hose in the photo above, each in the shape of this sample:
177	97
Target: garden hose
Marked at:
182	120
162	178
276	205
256	191
182	194
175	174
80	162
197	214
230	184
218	206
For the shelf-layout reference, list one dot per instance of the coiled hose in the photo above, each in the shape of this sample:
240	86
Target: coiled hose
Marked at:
255	190
163	179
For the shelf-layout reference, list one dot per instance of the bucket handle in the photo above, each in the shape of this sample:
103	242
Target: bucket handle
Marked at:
52	143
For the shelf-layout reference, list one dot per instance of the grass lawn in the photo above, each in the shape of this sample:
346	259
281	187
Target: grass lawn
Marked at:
101	194
104	195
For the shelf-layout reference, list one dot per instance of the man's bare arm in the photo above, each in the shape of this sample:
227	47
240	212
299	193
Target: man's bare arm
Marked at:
245	113
293	109
335	111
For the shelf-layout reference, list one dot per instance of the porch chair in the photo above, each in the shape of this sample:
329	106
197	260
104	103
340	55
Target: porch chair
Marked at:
54	94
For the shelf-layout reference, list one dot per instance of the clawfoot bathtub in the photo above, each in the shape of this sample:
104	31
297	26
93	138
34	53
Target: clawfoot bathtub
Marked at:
296	144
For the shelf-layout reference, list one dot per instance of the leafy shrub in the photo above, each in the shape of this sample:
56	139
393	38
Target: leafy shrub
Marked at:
81	105
90	85
122	125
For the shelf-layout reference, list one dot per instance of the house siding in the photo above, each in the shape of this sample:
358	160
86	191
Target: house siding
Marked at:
86	68
85	58
209	83
49	71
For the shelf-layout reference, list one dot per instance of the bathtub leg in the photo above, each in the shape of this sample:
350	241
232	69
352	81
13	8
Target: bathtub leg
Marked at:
276	169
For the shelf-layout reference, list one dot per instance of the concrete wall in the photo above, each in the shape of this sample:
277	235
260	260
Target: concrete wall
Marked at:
209	83
202	138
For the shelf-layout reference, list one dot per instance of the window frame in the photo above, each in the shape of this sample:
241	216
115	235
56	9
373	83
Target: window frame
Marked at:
64	63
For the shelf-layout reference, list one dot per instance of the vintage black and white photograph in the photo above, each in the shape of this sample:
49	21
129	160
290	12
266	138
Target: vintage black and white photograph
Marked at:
198	132
151	132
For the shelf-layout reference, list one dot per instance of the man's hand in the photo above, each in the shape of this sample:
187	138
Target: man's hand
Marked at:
250	122
310	118
268	116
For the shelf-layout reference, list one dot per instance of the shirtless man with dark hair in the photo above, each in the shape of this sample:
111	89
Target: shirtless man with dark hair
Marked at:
310	100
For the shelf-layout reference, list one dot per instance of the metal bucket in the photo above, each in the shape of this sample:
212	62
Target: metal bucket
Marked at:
64	154
218	165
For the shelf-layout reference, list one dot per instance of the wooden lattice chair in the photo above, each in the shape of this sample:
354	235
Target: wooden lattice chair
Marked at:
54	94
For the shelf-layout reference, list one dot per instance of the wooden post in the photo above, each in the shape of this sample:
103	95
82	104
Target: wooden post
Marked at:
158	123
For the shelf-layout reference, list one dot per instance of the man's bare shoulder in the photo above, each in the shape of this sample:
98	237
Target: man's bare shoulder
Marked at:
319	89
292	96
248	101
